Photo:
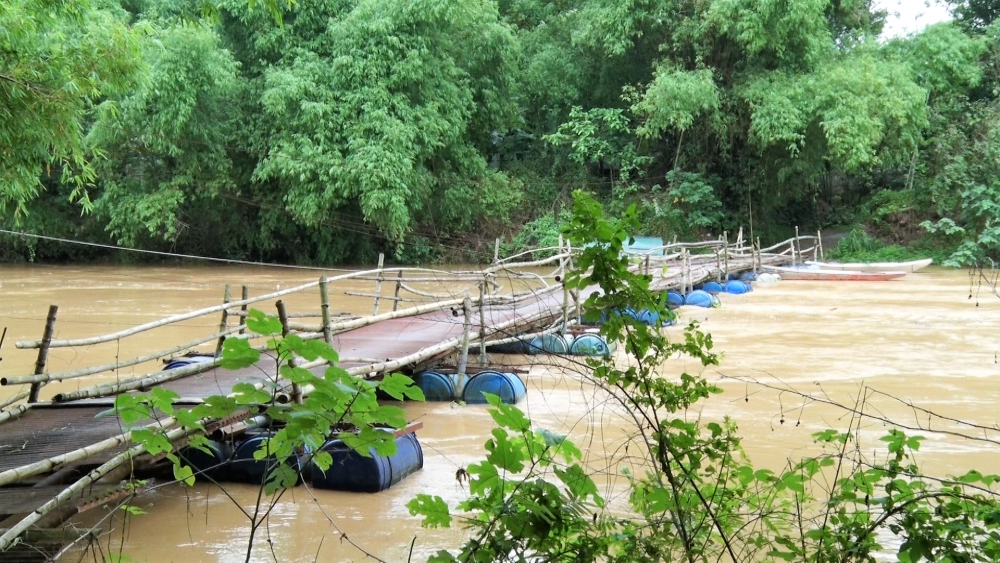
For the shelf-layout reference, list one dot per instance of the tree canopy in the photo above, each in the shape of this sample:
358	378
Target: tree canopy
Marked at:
329	130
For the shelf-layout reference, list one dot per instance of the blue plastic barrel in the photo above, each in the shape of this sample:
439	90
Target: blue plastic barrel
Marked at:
674	299
648	317
507	386
549	344
736	287
212	463
700	298
712	287
352	471
245	469
436	386
187	361
748	277
590	345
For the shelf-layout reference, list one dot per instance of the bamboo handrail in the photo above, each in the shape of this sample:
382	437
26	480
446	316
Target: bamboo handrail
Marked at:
28	344
59	376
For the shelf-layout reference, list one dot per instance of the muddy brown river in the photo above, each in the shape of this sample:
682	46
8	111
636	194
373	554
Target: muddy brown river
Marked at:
914	343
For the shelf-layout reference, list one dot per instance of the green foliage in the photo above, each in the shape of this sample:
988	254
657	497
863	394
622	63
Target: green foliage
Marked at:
57	60
700	499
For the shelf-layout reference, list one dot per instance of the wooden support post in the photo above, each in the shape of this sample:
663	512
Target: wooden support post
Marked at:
684	266
283	317
819	245
725	250
496	251
463	354
760	263
562	261
378	282
647	264
798	242
718	265
791	245
739	239
243	309
224	323
483	360
43	352
395	295
324	309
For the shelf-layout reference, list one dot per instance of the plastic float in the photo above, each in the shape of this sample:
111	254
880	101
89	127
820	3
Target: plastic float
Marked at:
354	472
590	345
712	288
244	468
507	386
436	386
549	344
213	463
699	298
736	287
674	299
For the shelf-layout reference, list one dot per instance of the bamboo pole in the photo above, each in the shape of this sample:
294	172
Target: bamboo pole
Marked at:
283	317
244	295
140	382
725	250
13	399
496	251
798	243
718	265
9	538
14	412
59	376
223	324
463	357
378	282
399	285
324	306
819	245
43	352
759	264
791	246
483	359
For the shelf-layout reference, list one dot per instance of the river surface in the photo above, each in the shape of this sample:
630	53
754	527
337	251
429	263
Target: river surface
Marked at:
789	350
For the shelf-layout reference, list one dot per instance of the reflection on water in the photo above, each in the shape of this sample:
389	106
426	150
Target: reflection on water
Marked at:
919	339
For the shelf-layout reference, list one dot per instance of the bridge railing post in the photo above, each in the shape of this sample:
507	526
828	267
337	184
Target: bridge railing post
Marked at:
223	323
43	352
483	359
245	294
725	250
798	242
759	263
283	317
819	245
395	295
378	282
463	354
324	308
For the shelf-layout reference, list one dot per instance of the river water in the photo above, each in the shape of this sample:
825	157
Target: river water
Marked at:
790	349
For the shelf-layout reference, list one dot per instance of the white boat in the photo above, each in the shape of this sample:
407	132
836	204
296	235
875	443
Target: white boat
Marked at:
813	273
912	266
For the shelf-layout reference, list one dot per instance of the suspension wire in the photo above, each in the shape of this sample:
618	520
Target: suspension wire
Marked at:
170	254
